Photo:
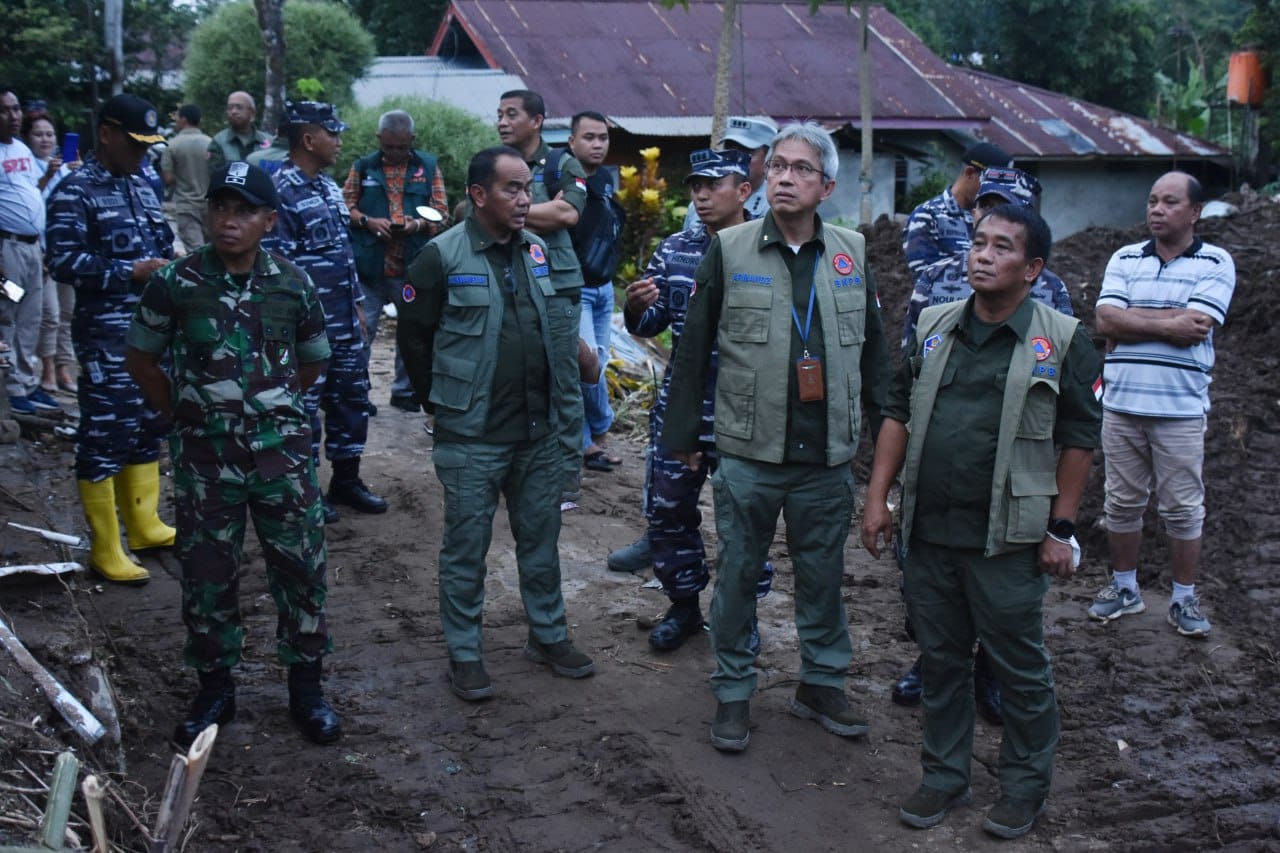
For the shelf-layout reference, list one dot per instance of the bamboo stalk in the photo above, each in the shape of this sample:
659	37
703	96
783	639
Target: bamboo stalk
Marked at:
93	797
76	714
62	790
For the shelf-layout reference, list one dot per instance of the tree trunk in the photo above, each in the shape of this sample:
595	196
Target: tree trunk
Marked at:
271	21
864	92
724	63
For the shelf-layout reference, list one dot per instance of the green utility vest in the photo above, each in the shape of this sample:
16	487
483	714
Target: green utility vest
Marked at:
1025	478
370	250
754	340
467	337
566	272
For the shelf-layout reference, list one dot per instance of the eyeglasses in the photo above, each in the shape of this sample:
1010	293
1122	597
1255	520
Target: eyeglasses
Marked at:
802	171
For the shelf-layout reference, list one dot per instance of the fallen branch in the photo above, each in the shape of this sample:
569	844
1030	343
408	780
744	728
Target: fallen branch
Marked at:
76	714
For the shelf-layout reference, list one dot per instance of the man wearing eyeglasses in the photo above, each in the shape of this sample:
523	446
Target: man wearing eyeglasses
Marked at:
786	301
313	231
476	332
245	329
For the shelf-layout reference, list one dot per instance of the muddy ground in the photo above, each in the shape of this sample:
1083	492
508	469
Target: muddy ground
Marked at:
1168	744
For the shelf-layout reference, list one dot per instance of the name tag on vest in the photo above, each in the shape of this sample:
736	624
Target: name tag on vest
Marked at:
468	280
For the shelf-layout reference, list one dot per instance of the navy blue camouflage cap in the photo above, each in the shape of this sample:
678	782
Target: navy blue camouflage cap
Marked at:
985	155
313	112
1012	185
709	163
134	116
251	183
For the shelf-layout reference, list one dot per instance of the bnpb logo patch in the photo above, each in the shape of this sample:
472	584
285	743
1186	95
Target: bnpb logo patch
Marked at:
539	256
1042	348
408	294
843	263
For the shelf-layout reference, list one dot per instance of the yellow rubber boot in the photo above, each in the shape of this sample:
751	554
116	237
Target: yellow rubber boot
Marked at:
138	495
106	556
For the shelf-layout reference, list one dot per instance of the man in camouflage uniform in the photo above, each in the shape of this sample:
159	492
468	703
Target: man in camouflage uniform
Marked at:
718	187
479	328
107	235
559	194
943	225
312	230
246	332
947	279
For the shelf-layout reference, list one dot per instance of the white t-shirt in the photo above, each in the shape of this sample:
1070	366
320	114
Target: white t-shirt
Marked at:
21	203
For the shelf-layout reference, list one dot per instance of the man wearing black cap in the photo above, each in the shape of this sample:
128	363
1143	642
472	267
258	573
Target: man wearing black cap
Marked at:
186	169
246	332
107	235
313	231
941	226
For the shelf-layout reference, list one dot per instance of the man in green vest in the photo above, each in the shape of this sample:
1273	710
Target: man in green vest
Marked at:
559	194
478	329
801	345
990	388
240	137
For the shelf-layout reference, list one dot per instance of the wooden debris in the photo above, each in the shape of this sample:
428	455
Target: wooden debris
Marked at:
77	715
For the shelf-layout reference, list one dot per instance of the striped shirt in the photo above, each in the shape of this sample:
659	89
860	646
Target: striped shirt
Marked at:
1155	378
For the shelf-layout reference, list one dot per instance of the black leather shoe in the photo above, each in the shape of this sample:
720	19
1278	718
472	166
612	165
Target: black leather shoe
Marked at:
907	690
208	708
318	721
355	494
683	620
405	403
986	690
330	514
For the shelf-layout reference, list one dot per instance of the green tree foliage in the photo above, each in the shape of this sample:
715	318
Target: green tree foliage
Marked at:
451	134
399	29
323	40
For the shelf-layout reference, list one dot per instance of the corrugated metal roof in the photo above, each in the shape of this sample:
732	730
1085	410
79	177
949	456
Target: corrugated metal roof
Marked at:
655	66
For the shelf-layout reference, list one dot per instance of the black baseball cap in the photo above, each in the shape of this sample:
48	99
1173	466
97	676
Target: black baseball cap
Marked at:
249	182
985	155
134	116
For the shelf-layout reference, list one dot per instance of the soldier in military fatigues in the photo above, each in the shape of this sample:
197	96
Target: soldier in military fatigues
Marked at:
947	280
312	231
673	542
107	234
559	194
246	332
479	330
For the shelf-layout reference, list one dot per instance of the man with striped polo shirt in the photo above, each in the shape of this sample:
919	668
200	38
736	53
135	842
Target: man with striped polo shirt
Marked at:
1158	306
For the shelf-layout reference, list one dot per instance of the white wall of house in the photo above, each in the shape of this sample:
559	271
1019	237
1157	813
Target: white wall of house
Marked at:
1082	195
846	202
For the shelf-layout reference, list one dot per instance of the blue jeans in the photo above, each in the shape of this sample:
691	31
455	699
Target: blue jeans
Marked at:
374	299
594	328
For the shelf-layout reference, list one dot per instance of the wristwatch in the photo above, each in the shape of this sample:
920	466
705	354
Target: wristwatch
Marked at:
364	220
1063	528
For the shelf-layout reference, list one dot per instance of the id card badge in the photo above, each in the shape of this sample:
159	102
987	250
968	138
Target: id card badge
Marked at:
809	379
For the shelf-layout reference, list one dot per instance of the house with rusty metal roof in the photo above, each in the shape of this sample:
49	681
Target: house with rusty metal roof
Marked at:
651	71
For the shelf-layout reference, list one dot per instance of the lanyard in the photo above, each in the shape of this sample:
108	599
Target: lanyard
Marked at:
808	319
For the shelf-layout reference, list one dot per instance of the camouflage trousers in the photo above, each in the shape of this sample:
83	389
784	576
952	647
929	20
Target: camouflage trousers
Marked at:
671	491
214	483
342	391
116	427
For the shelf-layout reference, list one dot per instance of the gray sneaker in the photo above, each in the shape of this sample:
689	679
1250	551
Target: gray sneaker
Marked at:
1185	615
1114	601
635	557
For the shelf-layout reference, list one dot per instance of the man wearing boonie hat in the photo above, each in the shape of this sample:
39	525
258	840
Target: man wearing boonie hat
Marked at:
107	235
672	544
313	230
941	226
245	330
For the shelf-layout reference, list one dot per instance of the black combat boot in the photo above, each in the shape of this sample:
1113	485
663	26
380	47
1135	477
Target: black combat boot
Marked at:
215	703
908	689
683	620
307	704
346	487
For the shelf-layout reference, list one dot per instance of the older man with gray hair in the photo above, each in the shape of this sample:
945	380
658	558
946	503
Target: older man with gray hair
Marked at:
788	302
384	192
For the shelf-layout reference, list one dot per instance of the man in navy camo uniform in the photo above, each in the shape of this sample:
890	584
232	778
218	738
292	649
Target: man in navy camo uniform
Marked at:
312	230
107	235
718	188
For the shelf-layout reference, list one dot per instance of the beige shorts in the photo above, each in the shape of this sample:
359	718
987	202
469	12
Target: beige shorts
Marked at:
1167	453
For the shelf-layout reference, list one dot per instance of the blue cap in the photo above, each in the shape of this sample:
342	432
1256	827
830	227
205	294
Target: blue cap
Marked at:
313	112
708	163
1013	185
